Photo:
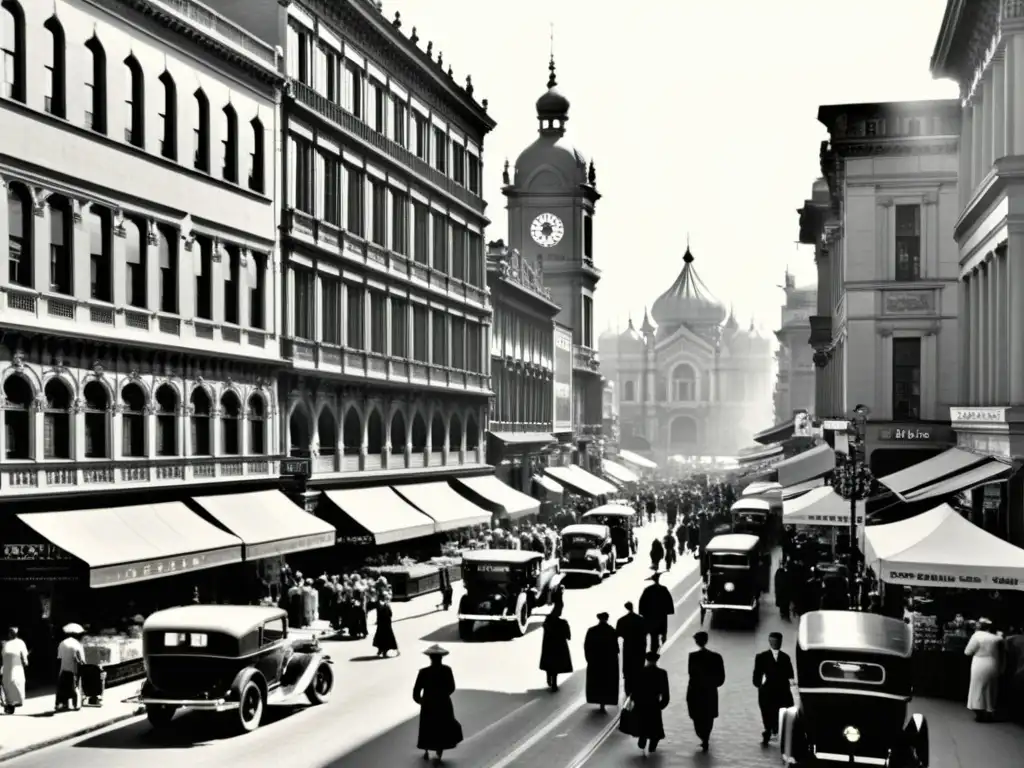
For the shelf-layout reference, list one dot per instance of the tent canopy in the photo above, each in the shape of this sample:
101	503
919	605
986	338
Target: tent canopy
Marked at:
820	506
941	548
760	486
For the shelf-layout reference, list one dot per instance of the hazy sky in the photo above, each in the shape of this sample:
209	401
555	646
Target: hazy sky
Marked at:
700	116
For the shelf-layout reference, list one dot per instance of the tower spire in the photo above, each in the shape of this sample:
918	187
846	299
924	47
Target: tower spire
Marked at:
552	79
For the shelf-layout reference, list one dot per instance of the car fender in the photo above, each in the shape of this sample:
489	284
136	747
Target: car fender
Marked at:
789	734
301	669
242	678
148	690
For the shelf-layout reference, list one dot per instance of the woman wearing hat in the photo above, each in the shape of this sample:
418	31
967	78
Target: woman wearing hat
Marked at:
555	658
439	730
985	646
384	639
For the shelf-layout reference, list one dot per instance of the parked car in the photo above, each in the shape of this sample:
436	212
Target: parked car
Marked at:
505	585
228	658
587	550
854	673
621	518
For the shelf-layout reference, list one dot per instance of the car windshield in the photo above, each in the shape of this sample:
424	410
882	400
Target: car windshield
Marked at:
578	541
729	560
749	517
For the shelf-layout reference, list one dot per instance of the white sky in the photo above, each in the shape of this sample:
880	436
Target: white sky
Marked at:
700	116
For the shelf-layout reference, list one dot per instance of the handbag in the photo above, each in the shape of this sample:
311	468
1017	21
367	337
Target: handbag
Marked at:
627	720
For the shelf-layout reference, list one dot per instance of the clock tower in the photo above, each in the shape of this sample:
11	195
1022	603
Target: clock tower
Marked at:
551	199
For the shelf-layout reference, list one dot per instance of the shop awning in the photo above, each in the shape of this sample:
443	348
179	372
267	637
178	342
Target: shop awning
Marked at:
991	471
128	544
491	493
751	505
817	462
776	434
376	516
550	486
940	548
801	488
619	472
636	460
751	457
930	471
268	523
820	506
580	481
758	487
523	438
443	503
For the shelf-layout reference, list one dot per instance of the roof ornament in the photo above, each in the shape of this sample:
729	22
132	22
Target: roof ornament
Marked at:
505	179
414	37
688	257
430	49
469	85
451	75
484	104
591	174
552	80
397	23
440	58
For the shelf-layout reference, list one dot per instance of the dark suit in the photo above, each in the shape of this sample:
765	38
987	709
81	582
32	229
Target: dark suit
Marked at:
706	670
771	678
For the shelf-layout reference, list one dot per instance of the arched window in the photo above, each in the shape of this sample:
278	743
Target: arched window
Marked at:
257	425
57	420
201	132
419	434
229	145
55	99
12	49
327	433
135	103
133	422
61	233
100	247
455	434
257	158
472	433
167	252
166	421
169	118
202	426
684	383
96	419
135	263
374	433
96	86
437	433
398	433
629	392
683	431
298	432
352	433
17	406
230	424
19	249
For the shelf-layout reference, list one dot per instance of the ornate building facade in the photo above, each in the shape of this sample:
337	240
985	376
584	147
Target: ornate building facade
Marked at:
794	380
692	382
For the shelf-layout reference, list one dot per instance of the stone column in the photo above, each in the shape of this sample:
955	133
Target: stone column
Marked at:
983	334
246	275
1014	81
1015	337
964	334
974	326
116	425
992	330
40	241
152	263
978	169
217	283
999	108
318	308
188	258
119	267
80	250
5	234
1002	322
966	183
987	120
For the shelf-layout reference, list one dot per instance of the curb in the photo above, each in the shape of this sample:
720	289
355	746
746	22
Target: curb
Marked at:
21	751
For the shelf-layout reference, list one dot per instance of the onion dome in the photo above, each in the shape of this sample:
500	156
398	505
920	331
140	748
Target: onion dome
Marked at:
646	328
688	302
553	105
630	338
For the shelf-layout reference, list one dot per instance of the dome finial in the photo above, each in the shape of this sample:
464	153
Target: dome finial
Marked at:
688	257
552	80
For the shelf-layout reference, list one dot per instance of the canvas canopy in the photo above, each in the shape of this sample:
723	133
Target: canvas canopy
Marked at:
820	506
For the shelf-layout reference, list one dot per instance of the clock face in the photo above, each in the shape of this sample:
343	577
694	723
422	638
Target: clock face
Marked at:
547	230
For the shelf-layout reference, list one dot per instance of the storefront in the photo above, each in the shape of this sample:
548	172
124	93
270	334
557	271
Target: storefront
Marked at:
582	482
893	446
518	456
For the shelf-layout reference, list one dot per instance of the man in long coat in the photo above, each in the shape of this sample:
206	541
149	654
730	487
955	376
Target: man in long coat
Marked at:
656	606
783	596
601	649
707	674
633	631
650	699
773	673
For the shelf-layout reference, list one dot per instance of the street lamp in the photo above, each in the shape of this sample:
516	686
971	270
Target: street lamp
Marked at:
856	484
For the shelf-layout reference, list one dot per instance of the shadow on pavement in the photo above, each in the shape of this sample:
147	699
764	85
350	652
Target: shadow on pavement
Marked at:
484	632
477	711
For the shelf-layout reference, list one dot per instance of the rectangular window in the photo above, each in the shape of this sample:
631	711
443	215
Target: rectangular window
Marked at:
474	351
587	339
303	68
356	200
908	242
379	213
330	76
420	333
459	164
204	278
355	322
305	303
439	329
258	290
378	323
421	233
474	259
332	190
355	89
399	328
906	378
458	343
458	252
331	316
380	108
440	224
232	284
100	248
440	150
303	176
473	172
588	238
422	137
399	118
167	248
60	253
399	222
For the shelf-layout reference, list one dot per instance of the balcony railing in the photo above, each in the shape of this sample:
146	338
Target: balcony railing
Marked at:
585	359
22	478
349	123
324	467
520	426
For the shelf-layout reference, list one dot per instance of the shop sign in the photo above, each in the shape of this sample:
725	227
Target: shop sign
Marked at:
493	568
831	519
299	544
835	425
33	553
915	433
973	581
990	445
108	576
366	540
985	415
297	467
563	381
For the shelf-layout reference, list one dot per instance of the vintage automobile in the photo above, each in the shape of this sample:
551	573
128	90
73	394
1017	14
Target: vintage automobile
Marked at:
587	550
621	519
854	675
228	658
505	585
751	515
733	577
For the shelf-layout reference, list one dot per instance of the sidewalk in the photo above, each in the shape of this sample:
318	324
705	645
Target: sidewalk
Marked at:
36	726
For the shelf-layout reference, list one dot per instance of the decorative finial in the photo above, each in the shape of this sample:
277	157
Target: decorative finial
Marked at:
414	37
450	73
380	6
430	49
484	104
591	174
504	174
440	58
469	85
552	81
397	23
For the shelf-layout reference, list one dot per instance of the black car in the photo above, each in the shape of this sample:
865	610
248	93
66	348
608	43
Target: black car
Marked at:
505	585
621	519
587	550
854	672
733	577
228	658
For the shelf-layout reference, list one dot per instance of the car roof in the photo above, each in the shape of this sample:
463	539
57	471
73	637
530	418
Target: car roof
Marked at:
617	510
732	542
585	529
235	620
855	631
501	556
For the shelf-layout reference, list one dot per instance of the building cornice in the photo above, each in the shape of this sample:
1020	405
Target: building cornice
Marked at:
909	146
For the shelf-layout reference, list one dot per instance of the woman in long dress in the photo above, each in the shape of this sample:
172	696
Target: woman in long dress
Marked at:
384	639
15	660
555	657
439	730
986	649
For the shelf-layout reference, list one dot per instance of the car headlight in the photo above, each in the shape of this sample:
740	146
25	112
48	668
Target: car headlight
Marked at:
851	734
729	586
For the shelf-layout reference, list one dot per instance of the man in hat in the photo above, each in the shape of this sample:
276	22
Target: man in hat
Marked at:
783	598
650	698
656	606
773	674
631	628
707	674
601	649
439	730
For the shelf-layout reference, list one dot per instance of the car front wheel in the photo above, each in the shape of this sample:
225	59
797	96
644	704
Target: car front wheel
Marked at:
250	707
319	691
160	715
522	621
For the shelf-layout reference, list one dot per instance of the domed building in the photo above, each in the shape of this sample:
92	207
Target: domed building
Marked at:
689	381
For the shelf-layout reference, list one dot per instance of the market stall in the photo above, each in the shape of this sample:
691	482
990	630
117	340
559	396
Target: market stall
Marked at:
825	514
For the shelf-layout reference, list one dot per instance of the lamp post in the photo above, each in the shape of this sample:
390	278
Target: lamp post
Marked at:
856	489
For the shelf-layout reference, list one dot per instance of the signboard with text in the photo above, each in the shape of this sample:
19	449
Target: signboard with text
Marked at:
563	380
917	575
910	433
112	575
977	415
